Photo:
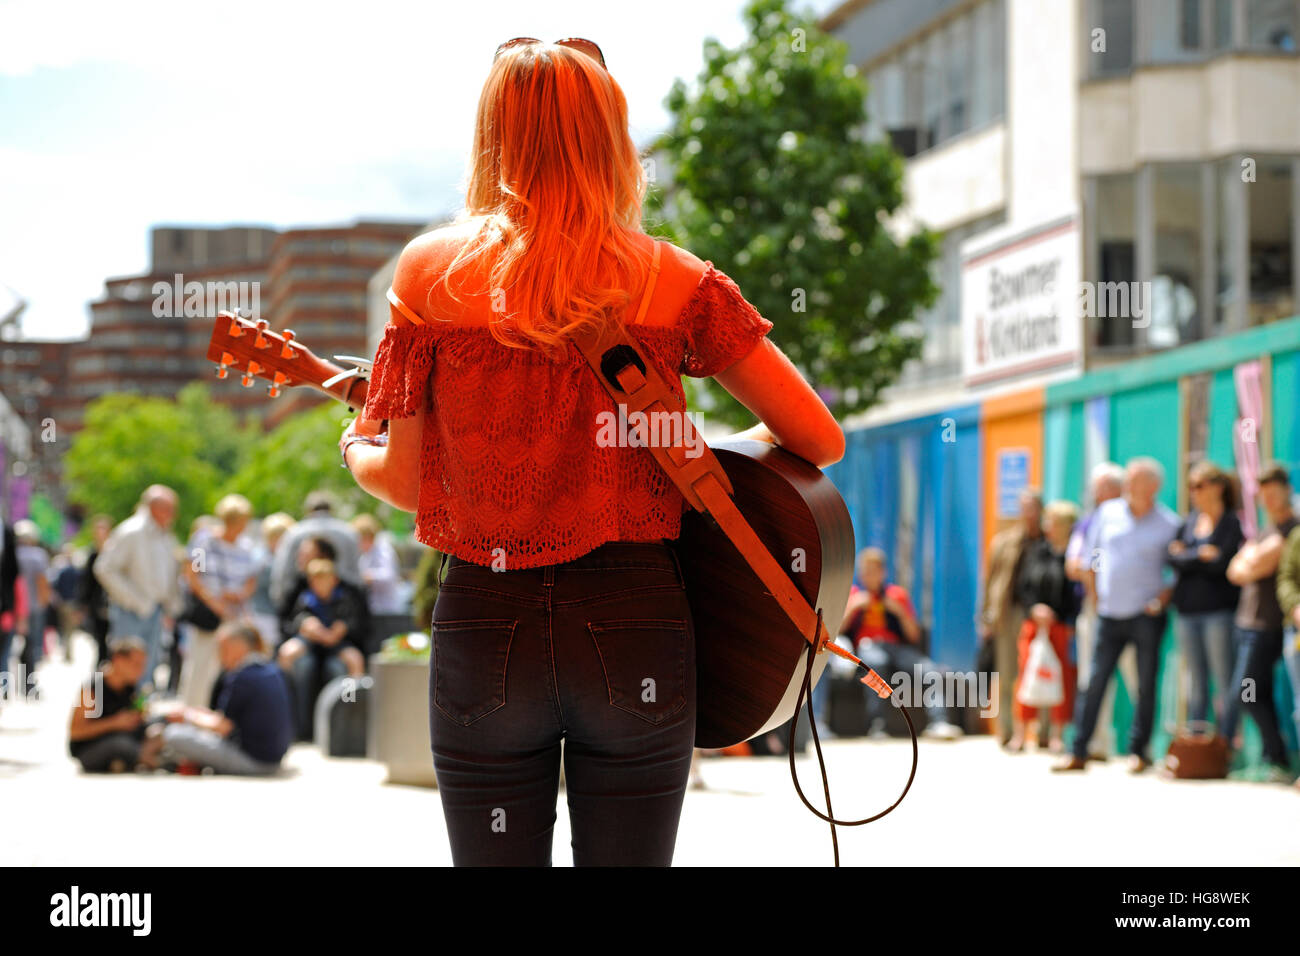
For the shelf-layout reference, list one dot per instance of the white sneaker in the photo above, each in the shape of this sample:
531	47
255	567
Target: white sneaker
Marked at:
942	730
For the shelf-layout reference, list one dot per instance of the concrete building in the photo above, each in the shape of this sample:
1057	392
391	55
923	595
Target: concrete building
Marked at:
317	285
1117	183
1101	141
32	379
149	332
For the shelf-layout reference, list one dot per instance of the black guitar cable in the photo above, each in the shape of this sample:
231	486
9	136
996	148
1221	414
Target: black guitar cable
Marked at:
829	815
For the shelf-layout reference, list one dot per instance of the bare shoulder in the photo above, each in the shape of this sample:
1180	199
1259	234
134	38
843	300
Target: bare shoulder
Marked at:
681	259
430	252
680	272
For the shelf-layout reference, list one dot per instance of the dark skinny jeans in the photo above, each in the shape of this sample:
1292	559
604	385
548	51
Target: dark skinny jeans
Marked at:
598	652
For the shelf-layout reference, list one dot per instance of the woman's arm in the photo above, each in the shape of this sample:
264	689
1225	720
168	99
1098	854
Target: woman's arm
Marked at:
1227	539
1258	561
792	415
390	472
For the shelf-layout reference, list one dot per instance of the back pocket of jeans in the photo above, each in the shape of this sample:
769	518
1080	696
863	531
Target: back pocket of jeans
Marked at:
469	667
645	665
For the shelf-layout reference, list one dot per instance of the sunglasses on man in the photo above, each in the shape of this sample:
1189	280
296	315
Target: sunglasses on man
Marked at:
575	43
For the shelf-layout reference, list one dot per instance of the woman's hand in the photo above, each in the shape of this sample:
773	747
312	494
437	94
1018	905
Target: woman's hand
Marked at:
759	432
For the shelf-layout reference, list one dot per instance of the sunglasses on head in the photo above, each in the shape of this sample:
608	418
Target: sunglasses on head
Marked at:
576	43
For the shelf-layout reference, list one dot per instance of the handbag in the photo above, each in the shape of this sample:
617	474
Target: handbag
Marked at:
199	614
1041	684
1198	754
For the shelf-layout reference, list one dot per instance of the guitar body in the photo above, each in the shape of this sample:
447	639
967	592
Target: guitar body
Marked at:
750	658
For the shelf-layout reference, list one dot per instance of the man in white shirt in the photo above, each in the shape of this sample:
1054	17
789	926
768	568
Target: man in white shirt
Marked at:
1107	483
1129	537
138	569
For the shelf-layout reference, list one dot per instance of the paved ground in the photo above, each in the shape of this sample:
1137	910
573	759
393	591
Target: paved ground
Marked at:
329	811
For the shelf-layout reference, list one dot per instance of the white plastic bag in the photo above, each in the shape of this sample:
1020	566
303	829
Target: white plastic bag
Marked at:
1042	684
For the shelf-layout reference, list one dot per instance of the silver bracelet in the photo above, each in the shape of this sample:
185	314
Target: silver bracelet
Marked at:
377	440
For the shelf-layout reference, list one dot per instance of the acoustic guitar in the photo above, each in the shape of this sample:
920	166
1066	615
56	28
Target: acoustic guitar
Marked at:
750	658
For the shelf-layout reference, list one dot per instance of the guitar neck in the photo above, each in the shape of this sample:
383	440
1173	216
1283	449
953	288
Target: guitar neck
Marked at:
350	391
277	358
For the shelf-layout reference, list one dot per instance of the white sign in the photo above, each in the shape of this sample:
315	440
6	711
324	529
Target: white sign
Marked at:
1020	302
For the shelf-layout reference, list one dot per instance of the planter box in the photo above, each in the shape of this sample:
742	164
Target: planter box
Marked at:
399	721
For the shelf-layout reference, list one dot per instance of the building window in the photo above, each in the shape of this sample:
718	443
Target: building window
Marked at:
942	84
1175	314
1115	255
984	36
934	98
957	42
1271	25
1229	235
1109	36
1223	17
1178	31
1172	30
1212	246
1270	200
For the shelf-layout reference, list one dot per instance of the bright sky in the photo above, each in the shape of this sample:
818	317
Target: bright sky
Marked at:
117	116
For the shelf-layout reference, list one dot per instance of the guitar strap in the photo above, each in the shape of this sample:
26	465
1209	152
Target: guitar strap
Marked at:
636	385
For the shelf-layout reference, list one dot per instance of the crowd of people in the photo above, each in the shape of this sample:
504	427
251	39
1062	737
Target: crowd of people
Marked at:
1096	584
260	622
251	625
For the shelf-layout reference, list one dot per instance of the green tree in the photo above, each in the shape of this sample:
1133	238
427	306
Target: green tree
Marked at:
774	181
299	456
130	441
225	441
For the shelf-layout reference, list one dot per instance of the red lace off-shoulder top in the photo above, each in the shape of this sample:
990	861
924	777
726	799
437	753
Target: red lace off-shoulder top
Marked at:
510	467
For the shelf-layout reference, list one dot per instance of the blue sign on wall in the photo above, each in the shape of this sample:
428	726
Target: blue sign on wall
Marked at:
1013	478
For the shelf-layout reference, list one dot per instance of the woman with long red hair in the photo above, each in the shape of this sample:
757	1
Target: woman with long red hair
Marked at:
563	615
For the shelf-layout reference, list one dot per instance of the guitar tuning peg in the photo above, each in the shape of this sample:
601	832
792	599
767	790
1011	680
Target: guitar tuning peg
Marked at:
273	389
253	369
285	350
236	330
261	342
224	368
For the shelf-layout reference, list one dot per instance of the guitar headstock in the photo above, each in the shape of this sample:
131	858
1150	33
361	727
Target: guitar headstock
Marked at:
254	350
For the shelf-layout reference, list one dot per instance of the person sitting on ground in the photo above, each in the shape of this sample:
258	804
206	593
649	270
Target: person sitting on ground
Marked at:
884	629
251	726
328	622
106	733
309	550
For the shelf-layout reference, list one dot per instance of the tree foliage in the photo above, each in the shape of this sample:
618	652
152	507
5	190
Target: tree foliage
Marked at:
773	181
130	441
298	456
196	446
